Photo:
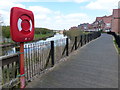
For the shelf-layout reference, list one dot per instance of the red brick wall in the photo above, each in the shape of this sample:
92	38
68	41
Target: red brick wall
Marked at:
116	21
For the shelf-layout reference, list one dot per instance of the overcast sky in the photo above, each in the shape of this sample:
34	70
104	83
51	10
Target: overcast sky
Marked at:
60	14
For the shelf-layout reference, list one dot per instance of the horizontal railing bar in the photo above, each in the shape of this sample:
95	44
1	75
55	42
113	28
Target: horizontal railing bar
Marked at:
8	59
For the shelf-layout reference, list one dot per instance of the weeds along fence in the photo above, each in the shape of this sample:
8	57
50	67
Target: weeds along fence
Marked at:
117	37
9	71
39	57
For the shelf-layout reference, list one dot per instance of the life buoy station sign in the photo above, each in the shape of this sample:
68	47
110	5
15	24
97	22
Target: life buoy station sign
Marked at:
21	25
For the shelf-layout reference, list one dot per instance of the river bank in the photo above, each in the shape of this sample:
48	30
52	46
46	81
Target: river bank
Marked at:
37	38
12	48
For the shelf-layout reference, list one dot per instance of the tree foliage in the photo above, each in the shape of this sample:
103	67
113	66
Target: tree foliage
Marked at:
73	33
6	31
1	19
42	31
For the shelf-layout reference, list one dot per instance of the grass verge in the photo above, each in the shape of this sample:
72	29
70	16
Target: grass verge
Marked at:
40	36
117	46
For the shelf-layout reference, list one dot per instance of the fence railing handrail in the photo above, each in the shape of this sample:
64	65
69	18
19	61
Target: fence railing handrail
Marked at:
35	60
8	58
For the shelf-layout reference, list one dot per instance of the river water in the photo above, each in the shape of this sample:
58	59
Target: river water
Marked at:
57	38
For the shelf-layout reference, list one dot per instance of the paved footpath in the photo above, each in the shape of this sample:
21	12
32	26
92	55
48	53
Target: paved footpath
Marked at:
95	65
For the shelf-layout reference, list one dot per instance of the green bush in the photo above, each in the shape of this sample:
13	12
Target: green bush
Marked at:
42	31
117	46
73	33
6	31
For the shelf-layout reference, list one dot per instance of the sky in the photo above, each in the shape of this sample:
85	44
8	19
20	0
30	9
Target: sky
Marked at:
60	14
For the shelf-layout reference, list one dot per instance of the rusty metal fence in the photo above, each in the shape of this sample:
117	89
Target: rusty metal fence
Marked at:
39	57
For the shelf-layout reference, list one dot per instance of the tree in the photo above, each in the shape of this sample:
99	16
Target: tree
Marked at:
6	31
1	22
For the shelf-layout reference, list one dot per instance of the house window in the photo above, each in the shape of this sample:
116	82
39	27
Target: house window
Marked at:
107	24
85	27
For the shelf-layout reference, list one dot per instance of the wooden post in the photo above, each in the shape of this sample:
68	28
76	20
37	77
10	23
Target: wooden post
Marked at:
88	38
52	53
85	38
75	43
81	40
22	72
67	47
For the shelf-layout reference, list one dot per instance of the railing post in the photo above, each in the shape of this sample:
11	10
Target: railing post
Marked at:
75	43
67	47
94	35
88	37
91	36
85	39
52	53
17	48
81	40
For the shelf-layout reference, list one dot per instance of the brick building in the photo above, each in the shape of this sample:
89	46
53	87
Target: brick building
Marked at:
116	21
103	23
73	28
85	26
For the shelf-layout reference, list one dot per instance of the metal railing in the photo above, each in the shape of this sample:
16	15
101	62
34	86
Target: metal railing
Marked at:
41	56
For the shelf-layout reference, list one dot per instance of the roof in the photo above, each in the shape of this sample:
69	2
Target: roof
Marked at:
98	18
105	19
116	12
